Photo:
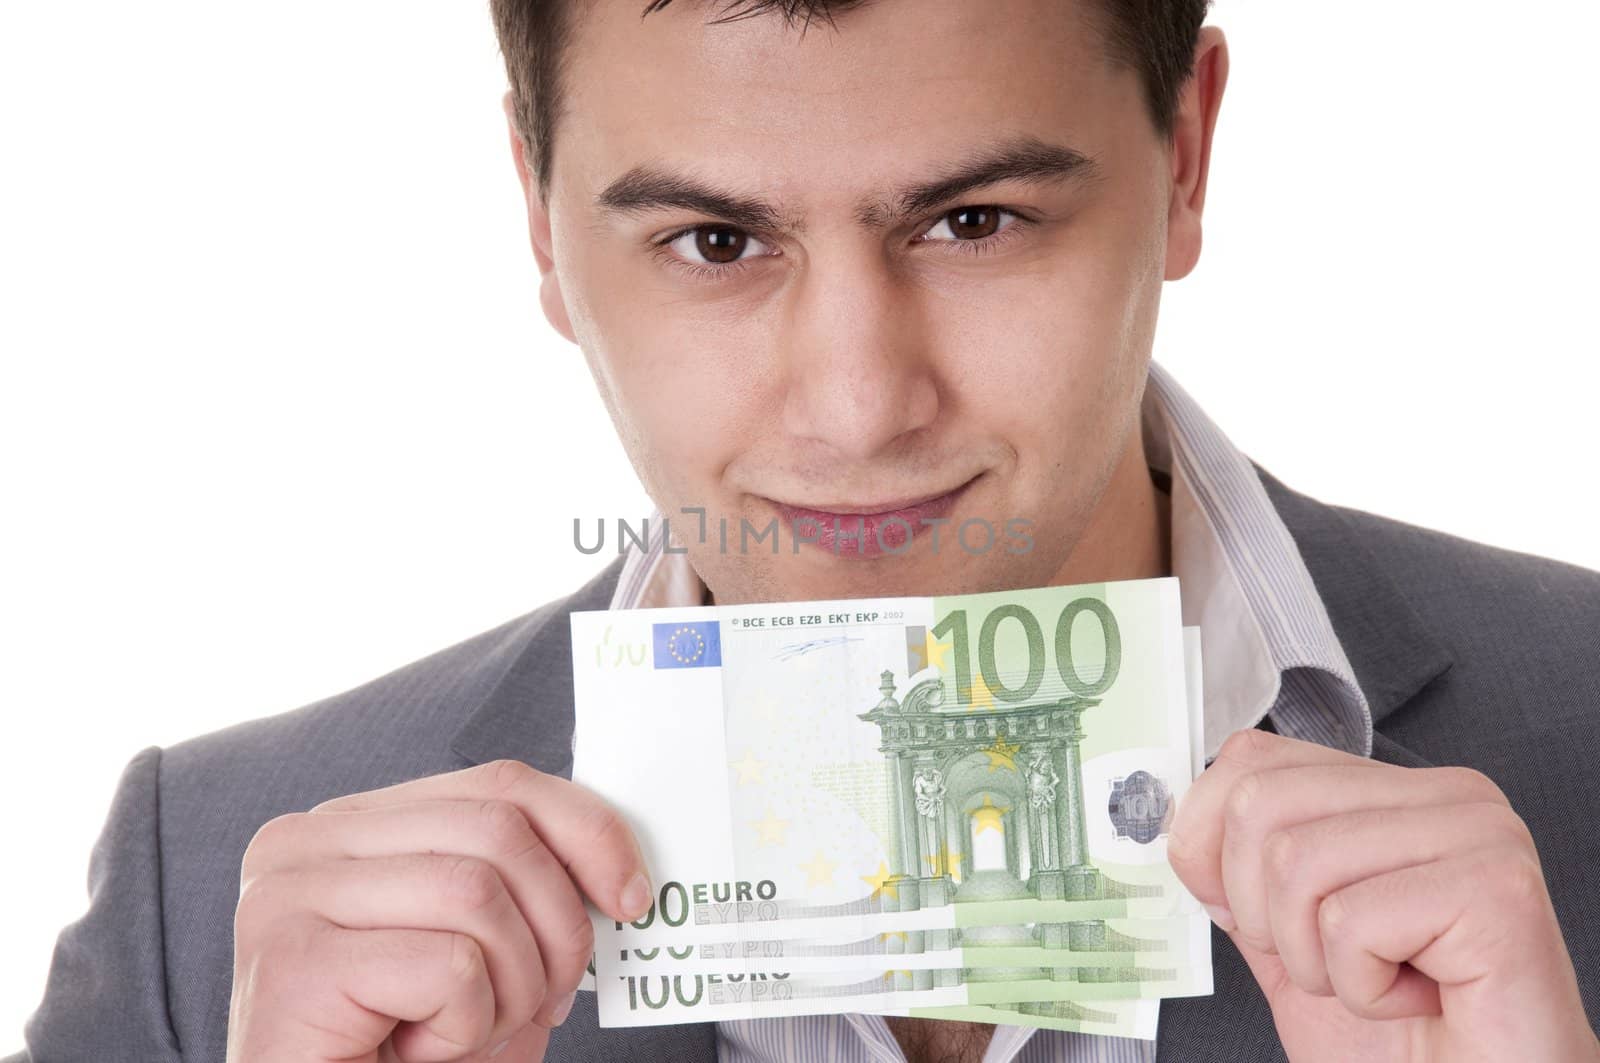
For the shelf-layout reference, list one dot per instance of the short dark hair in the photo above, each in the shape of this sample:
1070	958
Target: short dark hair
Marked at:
1154	38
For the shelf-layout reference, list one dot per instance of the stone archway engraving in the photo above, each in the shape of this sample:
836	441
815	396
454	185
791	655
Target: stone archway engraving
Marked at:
1018	766
1035	746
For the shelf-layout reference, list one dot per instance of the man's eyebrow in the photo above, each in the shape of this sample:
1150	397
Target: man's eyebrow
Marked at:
1025	158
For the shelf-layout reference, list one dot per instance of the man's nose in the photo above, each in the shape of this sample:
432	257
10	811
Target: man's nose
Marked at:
859	370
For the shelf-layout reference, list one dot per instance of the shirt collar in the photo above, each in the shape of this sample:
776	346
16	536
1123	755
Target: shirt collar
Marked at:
1264	626
1269	646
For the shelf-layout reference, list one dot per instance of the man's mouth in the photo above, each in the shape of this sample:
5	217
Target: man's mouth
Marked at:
870	529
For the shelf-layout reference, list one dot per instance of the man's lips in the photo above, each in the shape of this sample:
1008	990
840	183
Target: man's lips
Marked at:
852	530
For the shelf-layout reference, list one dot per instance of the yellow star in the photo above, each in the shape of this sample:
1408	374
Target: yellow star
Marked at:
1002	755
770	829
989	816
982	696
901	934
944	862
935	651
879	880
820	871
749	768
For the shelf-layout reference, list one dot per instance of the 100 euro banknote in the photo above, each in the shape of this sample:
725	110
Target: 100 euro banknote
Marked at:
871	766
1181	941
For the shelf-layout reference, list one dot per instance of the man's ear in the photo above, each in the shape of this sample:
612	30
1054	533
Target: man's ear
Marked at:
1193	126
555	309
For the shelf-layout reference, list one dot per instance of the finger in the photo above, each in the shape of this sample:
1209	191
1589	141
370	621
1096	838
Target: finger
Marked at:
1395	941
493	831
1270	801
1306	863
435	1037
1194	844
350	991
586	834
416	890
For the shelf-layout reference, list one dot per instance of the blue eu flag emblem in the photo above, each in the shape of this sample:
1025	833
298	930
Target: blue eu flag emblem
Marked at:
688	645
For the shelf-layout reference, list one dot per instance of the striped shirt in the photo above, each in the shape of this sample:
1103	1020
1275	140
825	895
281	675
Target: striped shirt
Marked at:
1270	652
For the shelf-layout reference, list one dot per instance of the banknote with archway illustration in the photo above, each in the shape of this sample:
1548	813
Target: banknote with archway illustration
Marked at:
872	766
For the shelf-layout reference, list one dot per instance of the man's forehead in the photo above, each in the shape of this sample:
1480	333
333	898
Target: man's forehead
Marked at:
885	63
705	117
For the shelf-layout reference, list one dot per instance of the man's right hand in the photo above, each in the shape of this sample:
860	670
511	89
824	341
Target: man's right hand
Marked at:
435	920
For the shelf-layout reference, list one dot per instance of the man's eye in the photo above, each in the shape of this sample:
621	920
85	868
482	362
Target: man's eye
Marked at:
972	224
714	246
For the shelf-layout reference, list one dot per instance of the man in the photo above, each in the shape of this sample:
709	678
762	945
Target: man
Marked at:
906	265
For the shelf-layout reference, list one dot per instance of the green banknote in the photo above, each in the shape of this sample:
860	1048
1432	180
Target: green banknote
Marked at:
879	765
1178	940
1171	955
925	768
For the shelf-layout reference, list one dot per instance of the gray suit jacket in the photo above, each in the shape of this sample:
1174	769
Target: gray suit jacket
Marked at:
1467	654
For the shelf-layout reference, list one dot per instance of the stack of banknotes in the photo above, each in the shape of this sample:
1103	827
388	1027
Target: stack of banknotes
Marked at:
945	807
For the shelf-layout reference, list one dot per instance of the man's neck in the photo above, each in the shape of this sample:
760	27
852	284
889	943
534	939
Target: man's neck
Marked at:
1129	535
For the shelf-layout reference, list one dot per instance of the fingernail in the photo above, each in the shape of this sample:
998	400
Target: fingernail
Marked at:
559	1013
501	1047
1221	916
636	896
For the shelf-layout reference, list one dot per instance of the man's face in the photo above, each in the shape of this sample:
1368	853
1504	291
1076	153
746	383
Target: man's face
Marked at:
858	353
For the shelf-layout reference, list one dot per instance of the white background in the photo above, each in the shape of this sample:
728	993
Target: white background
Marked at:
279	411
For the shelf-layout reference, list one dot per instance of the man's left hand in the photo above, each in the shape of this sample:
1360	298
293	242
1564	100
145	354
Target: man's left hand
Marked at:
1387	913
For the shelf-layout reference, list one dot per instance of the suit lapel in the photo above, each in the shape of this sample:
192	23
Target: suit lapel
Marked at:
1393	653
